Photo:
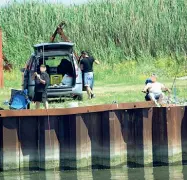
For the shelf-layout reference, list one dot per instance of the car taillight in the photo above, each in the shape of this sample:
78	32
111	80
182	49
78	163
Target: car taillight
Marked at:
77	72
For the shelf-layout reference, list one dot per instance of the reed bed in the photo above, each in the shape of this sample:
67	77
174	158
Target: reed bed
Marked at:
113	31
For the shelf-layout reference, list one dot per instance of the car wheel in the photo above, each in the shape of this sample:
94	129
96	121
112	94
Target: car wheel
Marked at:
78	97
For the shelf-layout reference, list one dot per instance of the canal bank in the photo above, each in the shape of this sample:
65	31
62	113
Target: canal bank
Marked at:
104	136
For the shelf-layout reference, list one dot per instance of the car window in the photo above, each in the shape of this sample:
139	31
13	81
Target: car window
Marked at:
55	61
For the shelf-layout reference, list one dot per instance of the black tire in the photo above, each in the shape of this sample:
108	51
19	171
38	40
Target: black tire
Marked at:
78	97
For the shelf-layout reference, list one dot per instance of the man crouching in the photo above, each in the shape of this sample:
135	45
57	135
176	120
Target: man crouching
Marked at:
155	90
41	85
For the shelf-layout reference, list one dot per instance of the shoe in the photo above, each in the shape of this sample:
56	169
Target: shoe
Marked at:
157	104
89	97
92	96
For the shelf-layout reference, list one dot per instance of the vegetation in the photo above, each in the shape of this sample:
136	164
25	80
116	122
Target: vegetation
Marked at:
113	31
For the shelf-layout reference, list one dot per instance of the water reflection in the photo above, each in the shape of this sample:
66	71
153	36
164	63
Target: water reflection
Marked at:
156	173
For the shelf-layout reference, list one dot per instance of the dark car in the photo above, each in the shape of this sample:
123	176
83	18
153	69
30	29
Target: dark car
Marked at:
62	67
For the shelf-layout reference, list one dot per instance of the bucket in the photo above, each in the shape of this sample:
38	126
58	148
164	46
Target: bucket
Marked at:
73	104
55	79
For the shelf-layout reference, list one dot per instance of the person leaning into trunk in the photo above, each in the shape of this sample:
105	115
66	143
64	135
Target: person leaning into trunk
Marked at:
41	85
86	65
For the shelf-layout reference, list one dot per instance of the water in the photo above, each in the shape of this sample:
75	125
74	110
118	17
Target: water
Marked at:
157	173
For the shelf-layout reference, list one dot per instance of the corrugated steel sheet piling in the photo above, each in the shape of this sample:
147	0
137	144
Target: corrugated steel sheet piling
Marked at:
104	136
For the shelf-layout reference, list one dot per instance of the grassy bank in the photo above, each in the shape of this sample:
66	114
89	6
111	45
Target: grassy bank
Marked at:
113	31
121	82
132	39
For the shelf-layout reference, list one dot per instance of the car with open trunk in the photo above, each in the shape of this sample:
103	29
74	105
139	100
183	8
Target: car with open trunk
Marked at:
62	67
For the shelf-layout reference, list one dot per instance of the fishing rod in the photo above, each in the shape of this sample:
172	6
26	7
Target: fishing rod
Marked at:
174	80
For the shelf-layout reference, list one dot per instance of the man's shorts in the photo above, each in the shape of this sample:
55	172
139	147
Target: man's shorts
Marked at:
155	97
40	97
88	79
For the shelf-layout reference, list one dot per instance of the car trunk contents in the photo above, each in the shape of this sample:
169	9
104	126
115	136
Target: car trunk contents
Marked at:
60	70
55	79
67	80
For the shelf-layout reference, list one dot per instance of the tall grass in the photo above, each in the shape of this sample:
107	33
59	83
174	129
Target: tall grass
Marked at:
112	30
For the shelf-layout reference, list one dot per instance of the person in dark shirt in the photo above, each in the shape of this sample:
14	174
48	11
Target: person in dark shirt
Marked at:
41	85
65	67
86	64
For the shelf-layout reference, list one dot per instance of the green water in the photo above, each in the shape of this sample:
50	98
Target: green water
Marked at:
157	173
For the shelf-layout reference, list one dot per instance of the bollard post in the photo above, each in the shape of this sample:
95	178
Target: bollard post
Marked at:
1	61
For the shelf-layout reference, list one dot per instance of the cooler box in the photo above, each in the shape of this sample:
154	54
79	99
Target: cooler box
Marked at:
55	79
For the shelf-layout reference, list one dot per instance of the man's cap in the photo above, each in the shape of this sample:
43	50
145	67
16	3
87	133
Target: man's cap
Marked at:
84	52
42	65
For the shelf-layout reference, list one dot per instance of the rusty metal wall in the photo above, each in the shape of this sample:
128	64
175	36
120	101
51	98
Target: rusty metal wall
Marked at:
114	138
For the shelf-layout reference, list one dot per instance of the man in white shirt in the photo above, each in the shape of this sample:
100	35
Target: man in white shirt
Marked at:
155	90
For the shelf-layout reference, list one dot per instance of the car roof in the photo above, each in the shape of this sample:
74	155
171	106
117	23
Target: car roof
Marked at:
54	44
